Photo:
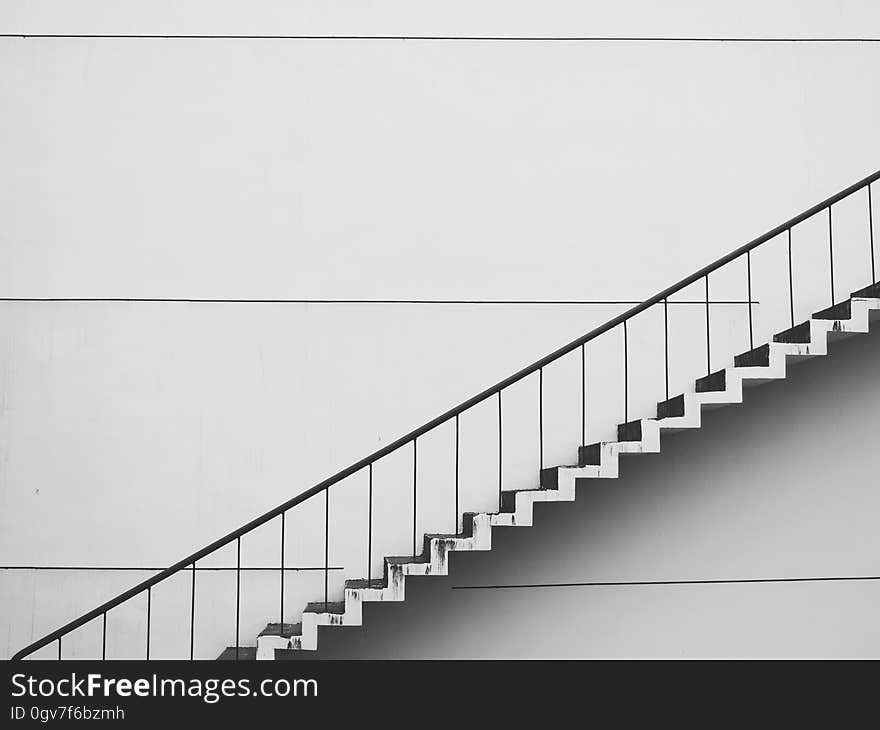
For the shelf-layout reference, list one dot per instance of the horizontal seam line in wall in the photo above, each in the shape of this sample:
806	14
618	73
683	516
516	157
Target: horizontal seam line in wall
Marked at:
814	579
180	300
512	38
136	568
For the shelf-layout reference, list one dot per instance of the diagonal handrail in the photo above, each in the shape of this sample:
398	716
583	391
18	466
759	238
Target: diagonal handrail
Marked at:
190	560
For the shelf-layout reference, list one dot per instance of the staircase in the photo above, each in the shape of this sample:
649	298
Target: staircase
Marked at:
515	506
595	461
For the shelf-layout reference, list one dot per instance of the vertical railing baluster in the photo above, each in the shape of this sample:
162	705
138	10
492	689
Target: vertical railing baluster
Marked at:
415	481
326	547
708	333
369	523
149	607
456	474
500	452
831	254
104	638
625	375
584	394
666	343
59	648
192	614
790	281
871	235
281	606
751	323
237	592
541	418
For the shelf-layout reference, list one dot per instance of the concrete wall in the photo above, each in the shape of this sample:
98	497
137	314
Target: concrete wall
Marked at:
133	433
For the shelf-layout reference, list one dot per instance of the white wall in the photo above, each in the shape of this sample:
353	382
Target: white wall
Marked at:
134	433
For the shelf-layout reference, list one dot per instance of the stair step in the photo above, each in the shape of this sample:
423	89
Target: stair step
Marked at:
405	559
325	607
361	583
467	524
631	431
549	478
244	654
672	408
440	536
757	358
799	334
590	455
843	310
712	383
508	502
285	630
426	545
869	292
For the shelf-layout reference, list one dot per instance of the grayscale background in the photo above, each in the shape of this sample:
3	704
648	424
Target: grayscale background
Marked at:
522	193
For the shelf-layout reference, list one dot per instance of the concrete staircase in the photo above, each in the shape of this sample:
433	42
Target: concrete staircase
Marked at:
595	461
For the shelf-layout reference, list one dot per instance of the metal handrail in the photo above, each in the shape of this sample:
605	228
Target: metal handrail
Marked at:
410	437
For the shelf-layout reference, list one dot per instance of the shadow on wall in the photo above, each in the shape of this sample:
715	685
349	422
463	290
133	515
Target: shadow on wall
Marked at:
779	489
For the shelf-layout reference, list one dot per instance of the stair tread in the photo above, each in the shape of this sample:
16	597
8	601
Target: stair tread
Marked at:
325	607
285	630
403	559
671	407
245	653
872	291
630	431
799	334
756	357
842	310
713	382
361	583
590	454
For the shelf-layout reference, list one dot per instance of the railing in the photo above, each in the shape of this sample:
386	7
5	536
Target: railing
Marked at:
189	563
